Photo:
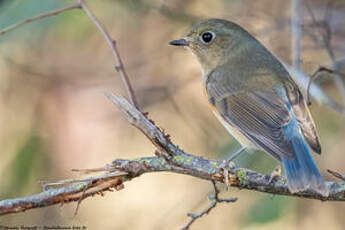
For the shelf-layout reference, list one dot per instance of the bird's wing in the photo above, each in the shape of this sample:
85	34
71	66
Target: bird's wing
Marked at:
304	118
260	115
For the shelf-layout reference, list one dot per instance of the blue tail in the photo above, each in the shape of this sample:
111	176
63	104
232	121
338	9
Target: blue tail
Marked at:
301	170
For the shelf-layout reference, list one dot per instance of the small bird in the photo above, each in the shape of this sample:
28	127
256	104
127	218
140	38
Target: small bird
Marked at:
256	100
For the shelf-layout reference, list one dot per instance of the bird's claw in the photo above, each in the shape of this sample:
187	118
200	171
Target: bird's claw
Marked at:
224	167
275	173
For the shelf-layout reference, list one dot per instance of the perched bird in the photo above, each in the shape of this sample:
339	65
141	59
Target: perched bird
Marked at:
255	98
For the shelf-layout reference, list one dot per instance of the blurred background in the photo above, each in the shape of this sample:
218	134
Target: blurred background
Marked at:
54	115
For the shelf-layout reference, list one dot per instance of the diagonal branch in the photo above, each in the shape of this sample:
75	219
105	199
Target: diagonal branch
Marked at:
214	201
38	17
119	67
336	174
315	75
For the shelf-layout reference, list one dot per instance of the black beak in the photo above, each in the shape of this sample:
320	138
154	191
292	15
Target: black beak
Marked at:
179	42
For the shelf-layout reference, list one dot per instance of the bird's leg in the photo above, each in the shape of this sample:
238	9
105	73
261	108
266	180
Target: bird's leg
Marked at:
225	164
232	157
276	173
235	154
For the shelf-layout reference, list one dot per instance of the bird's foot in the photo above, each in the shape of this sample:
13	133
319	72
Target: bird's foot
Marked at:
227	164
276	173
224	168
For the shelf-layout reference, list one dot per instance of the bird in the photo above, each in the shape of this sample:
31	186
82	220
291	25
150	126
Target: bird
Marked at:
256	100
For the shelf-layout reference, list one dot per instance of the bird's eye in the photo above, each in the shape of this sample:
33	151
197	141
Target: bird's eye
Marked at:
207	37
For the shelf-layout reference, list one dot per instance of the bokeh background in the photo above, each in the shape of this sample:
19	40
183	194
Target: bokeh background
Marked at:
54	115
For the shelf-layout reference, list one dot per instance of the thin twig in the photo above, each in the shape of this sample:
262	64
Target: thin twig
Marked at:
81	198
38	17
315	91
48	185
336	174
119	67
316	75
311	79
326	42
214	201
88	171
326	35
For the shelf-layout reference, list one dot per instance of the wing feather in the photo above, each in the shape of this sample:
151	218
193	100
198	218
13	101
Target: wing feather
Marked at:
260	116
304	118
259	110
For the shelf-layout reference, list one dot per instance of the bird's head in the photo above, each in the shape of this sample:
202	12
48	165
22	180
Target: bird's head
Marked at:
212	41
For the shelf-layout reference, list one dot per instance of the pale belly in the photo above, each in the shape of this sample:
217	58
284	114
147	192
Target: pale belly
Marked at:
244	141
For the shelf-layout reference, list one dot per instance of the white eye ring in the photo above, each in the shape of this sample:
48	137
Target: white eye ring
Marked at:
207	37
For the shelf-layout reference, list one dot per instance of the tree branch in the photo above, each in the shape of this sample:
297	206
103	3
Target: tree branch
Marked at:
38	17
119	67
74	192
336	174
169	159
214	201
315	75
210	169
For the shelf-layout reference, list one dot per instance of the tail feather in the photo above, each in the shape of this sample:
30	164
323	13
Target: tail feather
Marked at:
301	170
